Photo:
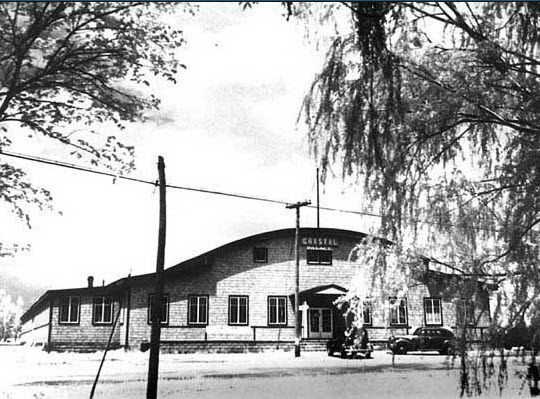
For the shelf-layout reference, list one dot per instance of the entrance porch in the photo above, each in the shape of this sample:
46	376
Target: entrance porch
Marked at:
321	320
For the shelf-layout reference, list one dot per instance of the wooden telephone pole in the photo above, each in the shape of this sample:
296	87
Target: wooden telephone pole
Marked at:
297	320
153	364
318	207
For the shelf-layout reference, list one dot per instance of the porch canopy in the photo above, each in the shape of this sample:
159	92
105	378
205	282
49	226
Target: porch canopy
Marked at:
322	295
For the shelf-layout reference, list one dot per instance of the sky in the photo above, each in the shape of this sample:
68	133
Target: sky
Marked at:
230	124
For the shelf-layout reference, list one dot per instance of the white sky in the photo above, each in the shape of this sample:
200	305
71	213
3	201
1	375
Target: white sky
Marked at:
229	124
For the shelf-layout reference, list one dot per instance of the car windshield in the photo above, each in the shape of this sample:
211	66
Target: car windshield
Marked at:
418	331
447	333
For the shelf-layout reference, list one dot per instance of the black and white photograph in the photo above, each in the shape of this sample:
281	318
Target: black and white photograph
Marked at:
269	200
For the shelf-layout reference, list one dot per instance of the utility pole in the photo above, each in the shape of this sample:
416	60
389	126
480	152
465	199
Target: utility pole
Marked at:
297	321
318	224
153	364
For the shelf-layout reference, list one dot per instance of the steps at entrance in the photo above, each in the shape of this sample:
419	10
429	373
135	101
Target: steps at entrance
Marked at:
313	345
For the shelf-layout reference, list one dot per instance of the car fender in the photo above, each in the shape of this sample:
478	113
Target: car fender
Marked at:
409	343
449	343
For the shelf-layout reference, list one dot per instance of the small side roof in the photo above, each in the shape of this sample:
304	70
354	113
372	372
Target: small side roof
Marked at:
36	306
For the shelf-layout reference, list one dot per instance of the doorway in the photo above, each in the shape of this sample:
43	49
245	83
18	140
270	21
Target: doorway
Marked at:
320	323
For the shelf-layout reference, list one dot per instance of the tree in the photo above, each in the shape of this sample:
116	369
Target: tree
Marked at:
435	108
384	270
10	313
66	67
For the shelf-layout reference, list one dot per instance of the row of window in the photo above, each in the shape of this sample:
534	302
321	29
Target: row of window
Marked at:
313	256
102	310
399	315
239	310
398	312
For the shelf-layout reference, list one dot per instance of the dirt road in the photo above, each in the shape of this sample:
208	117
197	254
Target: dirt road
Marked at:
30	373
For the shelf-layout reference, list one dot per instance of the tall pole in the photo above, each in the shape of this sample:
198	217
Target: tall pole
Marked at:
297	320
153	364
318	224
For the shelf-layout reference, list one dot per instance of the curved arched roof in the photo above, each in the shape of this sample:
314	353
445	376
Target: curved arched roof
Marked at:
312	231
200	260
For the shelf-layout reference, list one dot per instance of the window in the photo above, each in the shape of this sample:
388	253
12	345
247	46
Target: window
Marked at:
464	312
432	311
103	310
164	309
238	310
260	255
69	310
398	311
319	256
277	310
366	313
198	310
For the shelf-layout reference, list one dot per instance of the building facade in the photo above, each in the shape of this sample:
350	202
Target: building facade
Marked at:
240	297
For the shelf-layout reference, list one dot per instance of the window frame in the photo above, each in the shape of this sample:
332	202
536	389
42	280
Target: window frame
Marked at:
238	322
197	323
258	260
103	305
396	309
277	298
318	261
70	310
167	303
465	307
367	304
432	299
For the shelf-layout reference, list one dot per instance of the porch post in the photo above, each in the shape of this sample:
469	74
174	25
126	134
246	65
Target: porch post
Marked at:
304	308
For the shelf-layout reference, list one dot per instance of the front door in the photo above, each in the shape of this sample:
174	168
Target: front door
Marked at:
320	323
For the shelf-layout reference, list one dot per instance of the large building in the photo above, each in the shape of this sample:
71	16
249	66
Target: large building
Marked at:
240	297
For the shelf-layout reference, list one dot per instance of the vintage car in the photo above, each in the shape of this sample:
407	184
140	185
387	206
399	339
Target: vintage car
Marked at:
439	339
349	348
520	336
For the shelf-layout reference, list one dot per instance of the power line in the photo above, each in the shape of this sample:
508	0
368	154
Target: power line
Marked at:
242	196
71	166
137	180
214	192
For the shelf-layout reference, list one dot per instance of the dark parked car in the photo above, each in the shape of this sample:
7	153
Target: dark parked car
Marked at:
519	335
350	346
439	339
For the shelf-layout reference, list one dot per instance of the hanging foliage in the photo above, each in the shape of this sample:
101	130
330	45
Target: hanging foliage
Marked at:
434	107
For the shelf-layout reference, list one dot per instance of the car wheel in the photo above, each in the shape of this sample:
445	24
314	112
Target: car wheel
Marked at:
401	348
447	351
329	351
343	354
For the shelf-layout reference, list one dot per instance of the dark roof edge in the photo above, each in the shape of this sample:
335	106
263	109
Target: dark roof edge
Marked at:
27	315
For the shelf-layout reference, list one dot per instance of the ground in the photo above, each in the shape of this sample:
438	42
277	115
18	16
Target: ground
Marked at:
31	373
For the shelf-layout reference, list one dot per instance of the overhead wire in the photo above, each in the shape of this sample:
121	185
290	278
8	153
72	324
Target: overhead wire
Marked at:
67	165
47	161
